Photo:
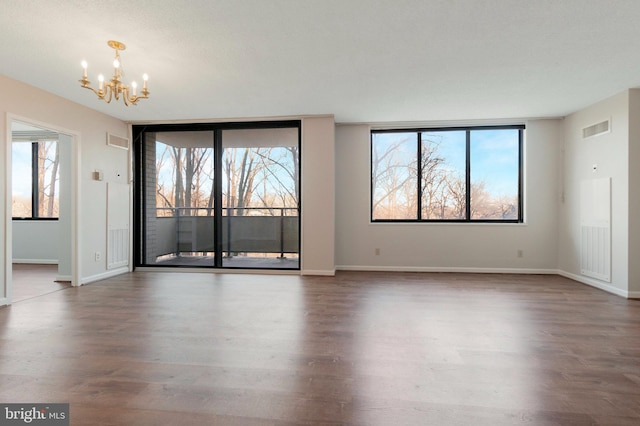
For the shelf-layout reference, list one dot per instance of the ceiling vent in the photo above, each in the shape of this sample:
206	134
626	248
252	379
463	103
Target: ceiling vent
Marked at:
117	141
596	129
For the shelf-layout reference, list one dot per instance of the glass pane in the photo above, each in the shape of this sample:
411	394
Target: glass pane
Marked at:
494	174
179	204
260	198
21	179
394	176
48	179
443	175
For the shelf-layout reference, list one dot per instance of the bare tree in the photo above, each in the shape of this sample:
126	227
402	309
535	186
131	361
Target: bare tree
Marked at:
392	181
241	168
457	194
280	169
433	181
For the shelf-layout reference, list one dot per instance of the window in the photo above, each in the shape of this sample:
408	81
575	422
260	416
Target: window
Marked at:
35	180
470	174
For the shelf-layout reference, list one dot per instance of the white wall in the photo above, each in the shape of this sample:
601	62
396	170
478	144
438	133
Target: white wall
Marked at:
318	196
634	192
610	152
35	241
91	127
448	247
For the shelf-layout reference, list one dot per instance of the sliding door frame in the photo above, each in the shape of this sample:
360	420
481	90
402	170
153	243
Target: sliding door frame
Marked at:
140	189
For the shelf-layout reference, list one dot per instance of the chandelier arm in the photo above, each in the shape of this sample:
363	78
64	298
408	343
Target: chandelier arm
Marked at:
108	90
86	85
125	96
133	99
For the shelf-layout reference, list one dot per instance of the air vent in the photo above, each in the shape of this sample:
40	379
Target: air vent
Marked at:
596	129
117	141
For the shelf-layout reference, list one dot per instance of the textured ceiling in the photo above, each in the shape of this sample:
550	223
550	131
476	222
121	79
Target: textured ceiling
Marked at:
362	60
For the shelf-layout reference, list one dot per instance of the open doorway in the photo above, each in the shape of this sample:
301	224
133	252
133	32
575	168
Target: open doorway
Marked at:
41	170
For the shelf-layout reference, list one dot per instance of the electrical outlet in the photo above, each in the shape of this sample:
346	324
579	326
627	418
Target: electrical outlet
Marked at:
98	256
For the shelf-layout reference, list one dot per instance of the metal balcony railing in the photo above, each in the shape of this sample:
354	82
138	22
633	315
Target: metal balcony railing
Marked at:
244	230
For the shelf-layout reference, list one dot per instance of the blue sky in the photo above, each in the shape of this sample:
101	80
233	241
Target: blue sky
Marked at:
494	155
21	169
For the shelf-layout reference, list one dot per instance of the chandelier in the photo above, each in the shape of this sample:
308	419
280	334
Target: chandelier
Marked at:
115	88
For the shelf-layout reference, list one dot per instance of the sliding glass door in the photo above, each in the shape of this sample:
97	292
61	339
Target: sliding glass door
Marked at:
179	202
219	195
260	198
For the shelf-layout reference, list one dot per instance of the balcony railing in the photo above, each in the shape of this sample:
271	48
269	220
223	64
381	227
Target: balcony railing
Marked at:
244	230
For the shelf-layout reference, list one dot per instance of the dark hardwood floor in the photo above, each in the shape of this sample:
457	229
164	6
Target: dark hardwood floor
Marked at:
158	348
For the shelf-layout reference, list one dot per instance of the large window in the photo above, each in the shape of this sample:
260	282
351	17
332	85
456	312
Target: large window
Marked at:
35	180
447	174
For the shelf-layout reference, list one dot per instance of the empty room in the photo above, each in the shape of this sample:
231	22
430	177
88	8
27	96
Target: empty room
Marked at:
320	212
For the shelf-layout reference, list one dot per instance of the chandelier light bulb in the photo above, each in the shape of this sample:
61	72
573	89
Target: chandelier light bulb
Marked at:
134	85
84	69
100	81
116	63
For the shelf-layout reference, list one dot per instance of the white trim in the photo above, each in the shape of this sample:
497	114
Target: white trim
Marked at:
37	261
65	278
108	274
595	283
325	273
7	279
633	295
446	269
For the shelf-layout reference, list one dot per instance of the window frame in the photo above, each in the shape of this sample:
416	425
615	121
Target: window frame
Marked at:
419	192
34	185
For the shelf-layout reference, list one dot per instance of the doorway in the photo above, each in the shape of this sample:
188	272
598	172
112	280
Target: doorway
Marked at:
41	234
218	195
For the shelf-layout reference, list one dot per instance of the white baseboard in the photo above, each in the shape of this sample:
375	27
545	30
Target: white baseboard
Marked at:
446	269
325	273
104	275
634	295
598	284
63	278
36	261
579	278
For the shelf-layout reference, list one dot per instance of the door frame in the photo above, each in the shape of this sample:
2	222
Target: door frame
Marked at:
74	199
